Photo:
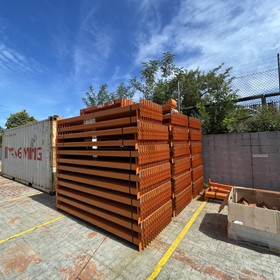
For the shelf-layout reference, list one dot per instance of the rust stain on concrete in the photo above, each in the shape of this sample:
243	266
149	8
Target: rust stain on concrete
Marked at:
180	256
19	258
91	235
159	245
253	275
73	271
90	271
213	271
14	219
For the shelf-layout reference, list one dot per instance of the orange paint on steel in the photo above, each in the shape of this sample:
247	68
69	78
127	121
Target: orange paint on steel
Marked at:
124	171
194	123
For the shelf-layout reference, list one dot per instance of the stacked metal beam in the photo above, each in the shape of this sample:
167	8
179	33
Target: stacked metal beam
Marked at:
179	156
113	169
196	155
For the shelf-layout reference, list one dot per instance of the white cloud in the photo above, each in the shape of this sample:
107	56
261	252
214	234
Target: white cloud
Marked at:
11	59
206	33
91	52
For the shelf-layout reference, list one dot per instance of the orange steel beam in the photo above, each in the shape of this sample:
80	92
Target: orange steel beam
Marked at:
105	153
104	124
180	149
181	200
99	163
146	109
215	195
154	199
180	165
117	103
109	205
99	172
196	160
153	224
111	184
195	135
196	147
198	186
112	113
100	192
113	228
197	173
194	123
219	185
97	133
181	181
107	143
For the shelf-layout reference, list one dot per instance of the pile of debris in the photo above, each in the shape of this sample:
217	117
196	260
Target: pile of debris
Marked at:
246	202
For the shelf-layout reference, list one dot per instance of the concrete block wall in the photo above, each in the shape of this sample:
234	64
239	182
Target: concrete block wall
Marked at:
243	159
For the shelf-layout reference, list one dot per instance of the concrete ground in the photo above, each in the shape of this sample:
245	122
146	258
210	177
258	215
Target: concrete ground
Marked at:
72	249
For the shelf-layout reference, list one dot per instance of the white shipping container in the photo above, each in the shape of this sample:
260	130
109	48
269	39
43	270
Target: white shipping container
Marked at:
28	154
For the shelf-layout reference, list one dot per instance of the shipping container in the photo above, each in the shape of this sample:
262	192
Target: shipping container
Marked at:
28	154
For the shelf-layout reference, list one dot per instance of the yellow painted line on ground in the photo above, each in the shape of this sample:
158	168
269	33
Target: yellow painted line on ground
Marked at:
176	242
8	184
18	197
31	229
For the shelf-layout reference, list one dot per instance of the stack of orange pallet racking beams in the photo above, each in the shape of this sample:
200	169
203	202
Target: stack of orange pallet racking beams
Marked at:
179	156
196	155
113	169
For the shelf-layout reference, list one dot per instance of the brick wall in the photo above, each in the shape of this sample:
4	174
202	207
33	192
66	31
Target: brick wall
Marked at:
243	159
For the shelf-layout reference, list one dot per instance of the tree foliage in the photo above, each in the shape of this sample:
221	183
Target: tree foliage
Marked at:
19	119
264	118
206	95
155	77
103	95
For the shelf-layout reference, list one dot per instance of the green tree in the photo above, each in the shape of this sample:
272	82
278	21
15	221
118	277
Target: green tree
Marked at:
205	95
155	76
217	101
265	118
123	91
208	95
103	95
91	97
19	119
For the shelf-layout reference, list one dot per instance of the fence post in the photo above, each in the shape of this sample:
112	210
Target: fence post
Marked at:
263	100
278	61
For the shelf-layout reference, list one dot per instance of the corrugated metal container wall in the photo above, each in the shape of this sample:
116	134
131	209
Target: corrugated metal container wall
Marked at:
28	154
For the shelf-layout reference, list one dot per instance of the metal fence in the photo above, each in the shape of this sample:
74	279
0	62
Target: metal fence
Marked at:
260	88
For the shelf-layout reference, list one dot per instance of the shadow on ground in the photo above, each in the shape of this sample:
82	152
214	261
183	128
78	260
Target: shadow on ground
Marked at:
214	225
50	201
212	200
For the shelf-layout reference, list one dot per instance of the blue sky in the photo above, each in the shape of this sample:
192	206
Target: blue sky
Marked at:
52	50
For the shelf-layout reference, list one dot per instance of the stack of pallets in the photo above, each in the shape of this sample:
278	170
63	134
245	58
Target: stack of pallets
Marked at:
179	156
113	169
196	155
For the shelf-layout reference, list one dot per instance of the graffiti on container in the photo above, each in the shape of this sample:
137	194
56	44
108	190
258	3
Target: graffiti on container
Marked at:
33	140
31	153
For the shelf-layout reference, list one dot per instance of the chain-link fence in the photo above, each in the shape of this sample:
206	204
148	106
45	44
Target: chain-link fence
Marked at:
258	89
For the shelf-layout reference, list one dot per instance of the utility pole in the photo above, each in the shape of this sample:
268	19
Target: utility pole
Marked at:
278	61
179	98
